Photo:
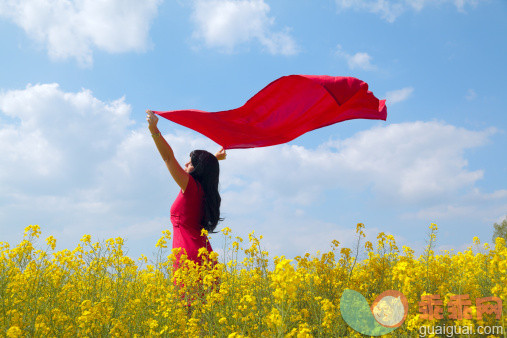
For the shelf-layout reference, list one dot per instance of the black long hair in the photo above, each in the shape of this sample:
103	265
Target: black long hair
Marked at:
206	172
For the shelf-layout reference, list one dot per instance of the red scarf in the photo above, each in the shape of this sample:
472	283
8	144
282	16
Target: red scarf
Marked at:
285	109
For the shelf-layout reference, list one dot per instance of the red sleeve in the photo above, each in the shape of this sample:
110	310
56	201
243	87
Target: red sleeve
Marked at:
193	195
191	186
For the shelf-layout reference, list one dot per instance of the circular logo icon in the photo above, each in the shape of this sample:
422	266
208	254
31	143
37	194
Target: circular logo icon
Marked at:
390	308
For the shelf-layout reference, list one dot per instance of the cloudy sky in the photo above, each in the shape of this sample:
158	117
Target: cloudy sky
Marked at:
76	156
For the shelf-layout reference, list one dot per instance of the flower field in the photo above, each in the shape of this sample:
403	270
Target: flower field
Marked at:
95	290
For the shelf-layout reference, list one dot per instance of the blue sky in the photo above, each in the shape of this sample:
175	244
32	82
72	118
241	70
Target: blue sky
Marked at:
76	156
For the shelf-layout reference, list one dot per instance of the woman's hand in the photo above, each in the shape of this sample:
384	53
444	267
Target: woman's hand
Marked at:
152	121
221	155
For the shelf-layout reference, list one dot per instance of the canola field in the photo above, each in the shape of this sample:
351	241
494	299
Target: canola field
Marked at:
95	290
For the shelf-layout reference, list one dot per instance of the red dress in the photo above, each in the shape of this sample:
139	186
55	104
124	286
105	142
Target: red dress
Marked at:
186	214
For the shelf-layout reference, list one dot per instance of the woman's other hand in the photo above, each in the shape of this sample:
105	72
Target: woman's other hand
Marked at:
152	121
221	155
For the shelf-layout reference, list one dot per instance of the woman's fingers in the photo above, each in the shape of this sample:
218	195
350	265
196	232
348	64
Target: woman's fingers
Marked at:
221	155
151	117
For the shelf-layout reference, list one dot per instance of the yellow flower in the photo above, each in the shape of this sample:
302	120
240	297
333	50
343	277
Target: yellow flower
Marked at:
51	242
202	252
345	252
86	238
368	246
32	230
80	292
251	235
359	230
14	331
152	323
161	243
213	255
167	234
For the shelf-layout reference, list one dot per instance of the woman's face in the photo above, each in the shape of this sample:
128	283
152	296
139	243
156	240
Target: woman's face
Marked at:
188	166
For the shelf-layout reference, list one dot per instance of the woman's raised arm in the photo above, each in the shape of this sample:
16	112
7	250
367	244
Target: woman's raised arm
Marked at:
179	175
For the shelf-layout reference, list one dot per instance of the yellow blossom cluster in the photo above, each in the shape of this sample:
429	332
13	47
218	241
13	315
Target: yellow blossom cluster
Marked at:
96	290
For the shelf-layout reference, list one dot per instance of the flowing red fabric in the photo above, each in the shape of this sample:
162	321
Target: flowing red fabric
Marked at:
285	109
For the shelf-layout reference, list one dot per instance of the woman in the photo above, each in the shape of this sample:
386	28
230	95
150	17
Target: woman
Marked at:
197	206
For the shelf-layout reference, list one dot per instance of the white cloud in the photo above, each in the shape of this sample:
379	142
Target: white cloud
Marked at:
472	204
225	24
399	95
410	166
416	161
460	4
389	10
471	95
54	127
359	60
76	164
408	162
71	29
58	155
